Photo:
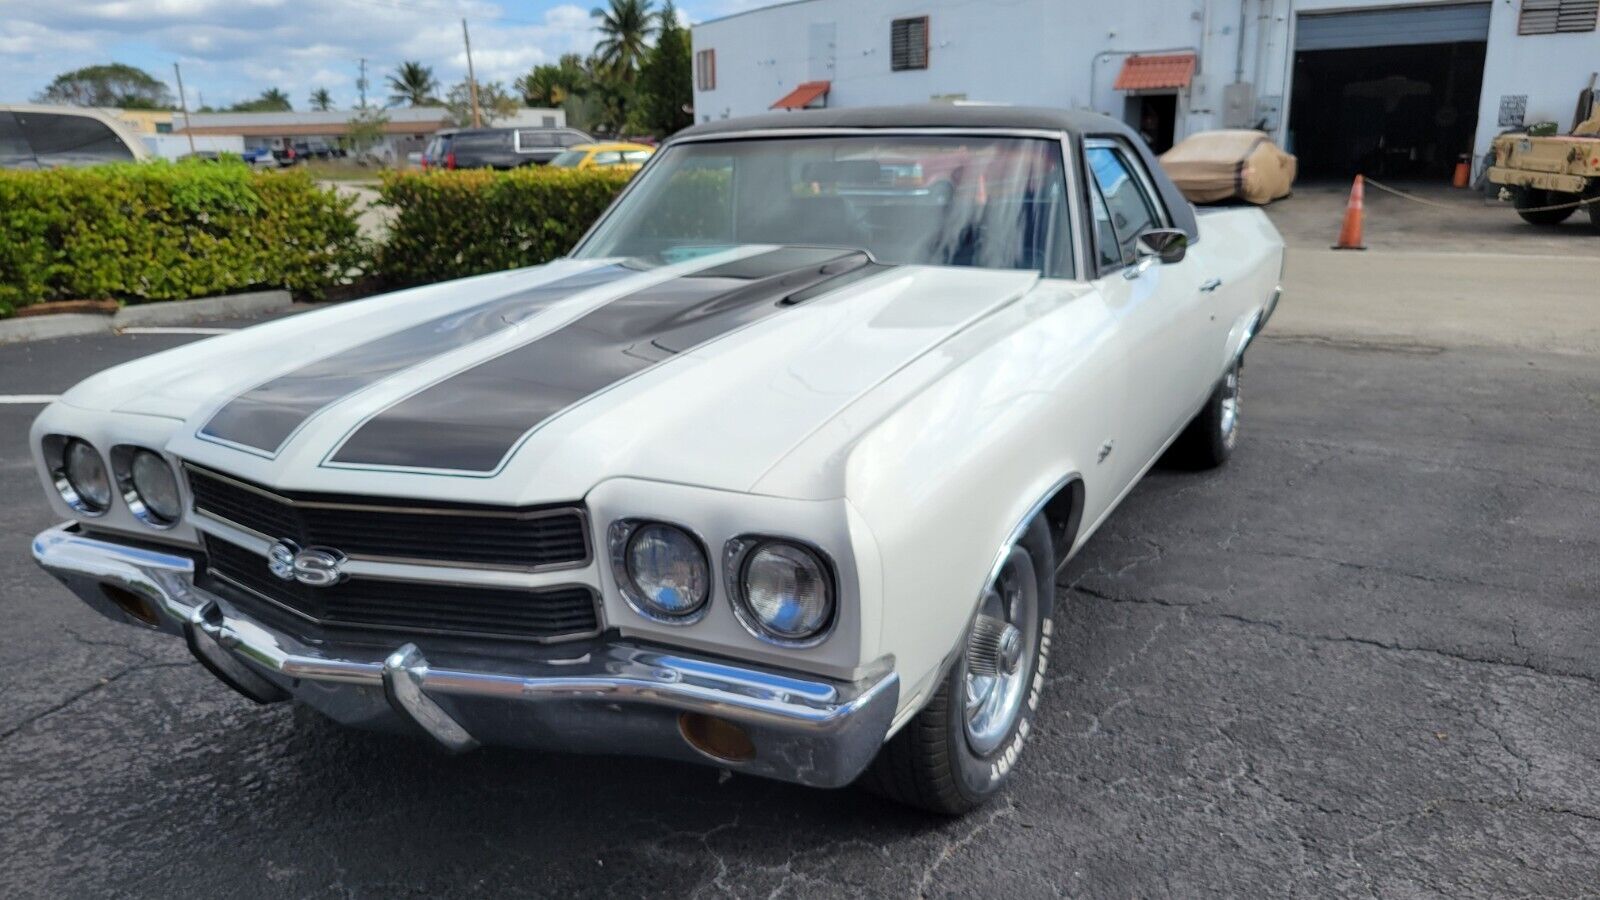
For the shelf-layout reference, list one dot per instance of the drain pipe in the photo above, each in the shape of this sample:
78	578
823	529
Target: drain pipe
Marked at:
1238	57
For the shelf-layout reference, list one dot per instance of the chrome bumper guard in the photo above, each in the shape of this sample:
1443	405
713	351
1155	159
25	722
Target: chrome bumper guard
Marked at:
611	697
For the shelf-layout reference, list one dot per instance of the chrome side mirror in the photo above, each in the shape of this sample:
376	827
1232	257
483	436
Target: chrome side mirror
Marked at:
1169	245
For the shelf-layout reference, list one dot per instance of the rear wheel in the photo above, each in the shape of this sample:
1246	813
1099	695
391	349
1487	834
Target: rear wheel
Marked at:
1532	206
1209	439
961	748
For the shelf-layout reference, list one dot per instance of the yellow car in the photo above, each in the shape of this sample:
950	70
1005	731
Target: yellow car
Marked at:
614	155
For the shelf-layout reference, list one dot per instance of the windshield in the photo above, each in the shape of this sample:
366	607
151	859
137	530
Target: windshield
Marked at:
991	202
568	159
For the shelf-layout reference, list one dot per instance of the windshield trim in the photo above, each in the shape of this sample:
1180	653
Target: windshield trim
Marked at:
1077	203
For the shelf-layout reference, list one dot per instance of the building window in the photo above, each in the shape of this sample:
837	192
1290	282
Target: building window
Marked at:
908	44
1557	16
163	128
705	70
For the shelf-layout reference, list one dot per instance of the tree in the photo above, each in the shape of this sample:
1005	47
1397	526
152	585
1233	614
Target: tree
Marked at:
321	100
665	91
113	84
271	100
494	102
551	86
625	32
413	84
365	131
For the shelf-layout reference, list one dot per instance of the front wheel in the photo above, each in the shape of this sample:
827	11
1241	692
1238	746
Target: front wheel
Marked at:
960	750
1533	206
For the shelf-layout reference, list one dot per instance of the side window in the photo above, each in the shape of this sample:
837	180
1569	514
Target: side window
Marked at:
1108	251
608	158
635	157
71	140
1131	211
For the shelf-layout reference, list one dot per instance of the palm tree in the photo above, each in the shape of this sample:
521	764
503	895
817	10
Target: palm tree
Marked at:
275	98
413	84
321	99
625	31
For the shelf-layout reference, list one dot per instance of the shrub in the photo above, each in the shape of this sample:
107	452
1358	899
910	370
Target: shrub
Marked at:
454	224
157	231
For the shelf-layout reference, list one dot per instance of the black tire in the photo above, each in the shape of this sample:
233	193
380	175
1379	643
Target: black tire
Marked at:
1530	203
1594	212
931	763
1210	437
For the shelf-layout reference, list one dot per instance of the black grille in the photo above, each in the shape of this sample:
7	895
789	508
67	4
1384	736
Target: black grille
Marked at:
358	603
382	528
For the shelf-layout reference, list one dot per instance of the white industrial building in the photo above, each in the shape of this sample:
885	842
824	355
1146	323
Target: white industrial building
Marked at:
1388	87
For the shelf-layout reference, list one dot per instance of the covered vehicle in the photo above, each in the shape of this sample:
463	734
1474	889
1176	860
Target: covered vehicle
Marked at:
774	472
1233	164
52	137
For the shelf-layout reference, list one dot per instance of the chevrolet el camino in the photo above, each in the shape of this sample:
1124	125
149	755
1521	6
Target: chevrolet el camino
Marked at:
774	472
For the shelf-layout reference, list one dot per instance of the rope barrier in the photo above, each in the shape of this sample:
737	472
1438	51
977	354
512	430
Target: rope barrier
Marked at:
1454	206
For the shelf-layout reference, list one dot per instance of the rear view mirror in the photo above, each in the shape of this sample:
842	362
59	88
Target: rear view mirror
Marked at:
1169	245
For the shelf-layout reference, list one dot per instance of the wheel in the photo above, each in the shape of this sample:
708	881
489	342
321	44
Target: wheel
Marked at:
961	749
1531	202
1208	440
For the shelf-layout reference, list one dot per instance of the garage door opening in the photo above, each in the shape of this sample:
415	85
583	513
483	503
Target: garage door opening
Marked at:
1388	93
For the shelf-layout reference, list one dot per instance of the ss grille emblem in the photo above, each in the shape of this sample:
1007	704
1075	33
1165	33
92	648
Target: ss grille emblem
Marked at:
313	566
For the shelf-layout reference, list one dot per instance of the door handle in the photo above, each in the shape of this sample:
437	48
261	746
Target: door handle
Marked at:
1210	285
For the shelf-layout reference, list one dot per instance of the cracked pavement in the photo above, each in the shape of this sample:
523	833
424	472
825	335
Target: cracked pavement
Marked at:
1358	660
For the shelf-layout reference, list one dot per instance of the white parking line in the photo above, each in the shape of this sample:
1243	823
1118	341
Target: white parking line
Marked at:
155	330
26	399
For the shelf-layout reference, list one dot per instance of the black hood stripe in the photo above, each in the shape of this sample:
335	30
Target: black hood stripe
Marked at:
265	417
473	421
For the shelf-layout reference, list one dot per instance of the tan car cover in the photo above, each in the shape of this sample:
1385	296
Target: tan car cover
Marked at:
1224	165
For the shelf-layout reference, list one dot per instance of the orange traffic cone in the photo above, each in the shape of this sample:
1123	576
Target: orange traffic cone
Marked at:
1350	232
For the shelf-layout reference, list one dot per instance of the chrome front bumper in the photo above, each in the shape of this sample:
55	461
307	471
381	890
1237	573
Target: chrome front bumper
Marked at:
602	697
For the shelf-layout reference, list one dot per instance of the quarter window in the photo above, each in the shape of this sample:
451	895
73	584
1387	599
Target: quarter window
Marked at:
1127	209
908	44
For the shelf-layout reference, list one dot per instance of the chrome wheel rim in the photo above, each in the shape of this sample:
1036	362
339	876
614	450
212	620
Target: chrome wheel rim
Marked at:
1003	638
1229	421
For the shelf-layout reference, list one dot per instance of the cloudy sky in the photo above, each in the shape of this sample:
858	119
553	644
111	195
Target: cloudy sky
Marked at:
231	50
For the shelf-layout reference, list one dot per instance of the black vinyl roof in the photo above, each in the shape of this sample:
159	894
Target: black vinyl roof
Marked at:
1075	123
926	115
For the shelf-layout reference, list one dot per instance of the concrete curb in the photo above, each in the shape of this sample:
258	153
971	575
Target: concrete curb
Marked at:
43	328
172	312
189	312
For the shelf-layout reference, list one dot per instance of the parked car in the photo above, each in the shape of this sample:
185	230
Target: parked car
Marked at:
259	157
50	137
313	148
763	475
612	155
499	148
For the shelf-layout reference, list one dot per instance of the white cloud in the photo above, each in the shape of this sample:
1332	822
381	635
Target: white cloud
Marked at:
234	49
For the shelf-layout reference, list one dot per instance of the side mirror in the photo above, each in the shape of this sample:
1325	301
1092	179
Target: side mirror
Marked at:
1169	245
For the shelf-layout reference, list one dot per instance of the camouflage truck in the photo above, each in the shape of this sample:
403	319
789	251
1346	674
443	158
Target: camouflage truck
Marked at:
1539	172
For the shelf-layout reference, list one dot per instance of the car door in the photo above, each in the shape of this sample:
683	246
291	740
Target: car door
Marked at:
1159	306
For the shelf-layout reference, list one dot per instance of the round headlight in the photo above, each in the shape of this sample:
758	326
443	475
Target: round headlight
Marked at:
84	483
667	571
785	592
154	488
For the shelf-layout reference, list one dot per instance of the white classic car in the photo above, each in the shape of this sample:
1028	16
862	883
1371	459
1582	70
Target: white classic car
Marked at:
774	472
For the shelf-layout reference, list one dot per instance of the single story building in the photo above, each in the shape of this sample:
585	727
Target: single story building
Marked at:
407	129
1386	87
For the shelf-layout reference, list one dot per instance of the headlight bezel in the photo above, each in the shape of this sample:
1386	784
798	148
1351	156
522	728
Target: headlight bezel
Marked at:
619	539
57	448
123	458
736	556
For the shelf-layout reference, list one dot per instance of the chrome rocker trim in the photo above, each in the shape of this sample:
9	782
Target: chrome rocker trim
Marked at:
609	697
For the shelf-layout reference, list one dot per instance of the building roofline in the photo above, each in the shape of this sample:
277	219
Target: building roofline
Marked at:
747	12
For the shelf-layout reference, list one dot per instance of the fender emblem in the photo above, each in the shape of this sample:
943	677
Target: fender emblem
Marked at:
313	566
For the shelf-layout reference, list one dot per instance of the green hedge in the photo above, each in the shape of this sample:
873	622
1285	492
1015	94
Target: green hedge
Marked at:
157	231
453	224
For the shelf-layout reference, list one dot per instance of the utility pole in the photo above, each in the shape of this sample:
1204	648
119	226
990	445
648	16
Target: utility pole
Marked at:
183	104
472	80
361	83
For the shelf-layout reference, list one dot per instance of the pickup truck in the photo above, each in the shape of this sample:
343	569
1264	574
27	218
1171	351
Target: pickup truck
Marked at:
774	472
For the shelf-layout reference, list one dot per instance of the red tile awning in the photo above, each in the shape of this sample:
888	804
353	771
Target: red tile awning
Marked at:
1154	73
803	96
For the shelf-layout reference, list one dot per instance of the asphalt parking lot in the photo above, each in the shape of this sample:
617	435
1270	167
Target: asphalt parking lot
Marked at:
1360	659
